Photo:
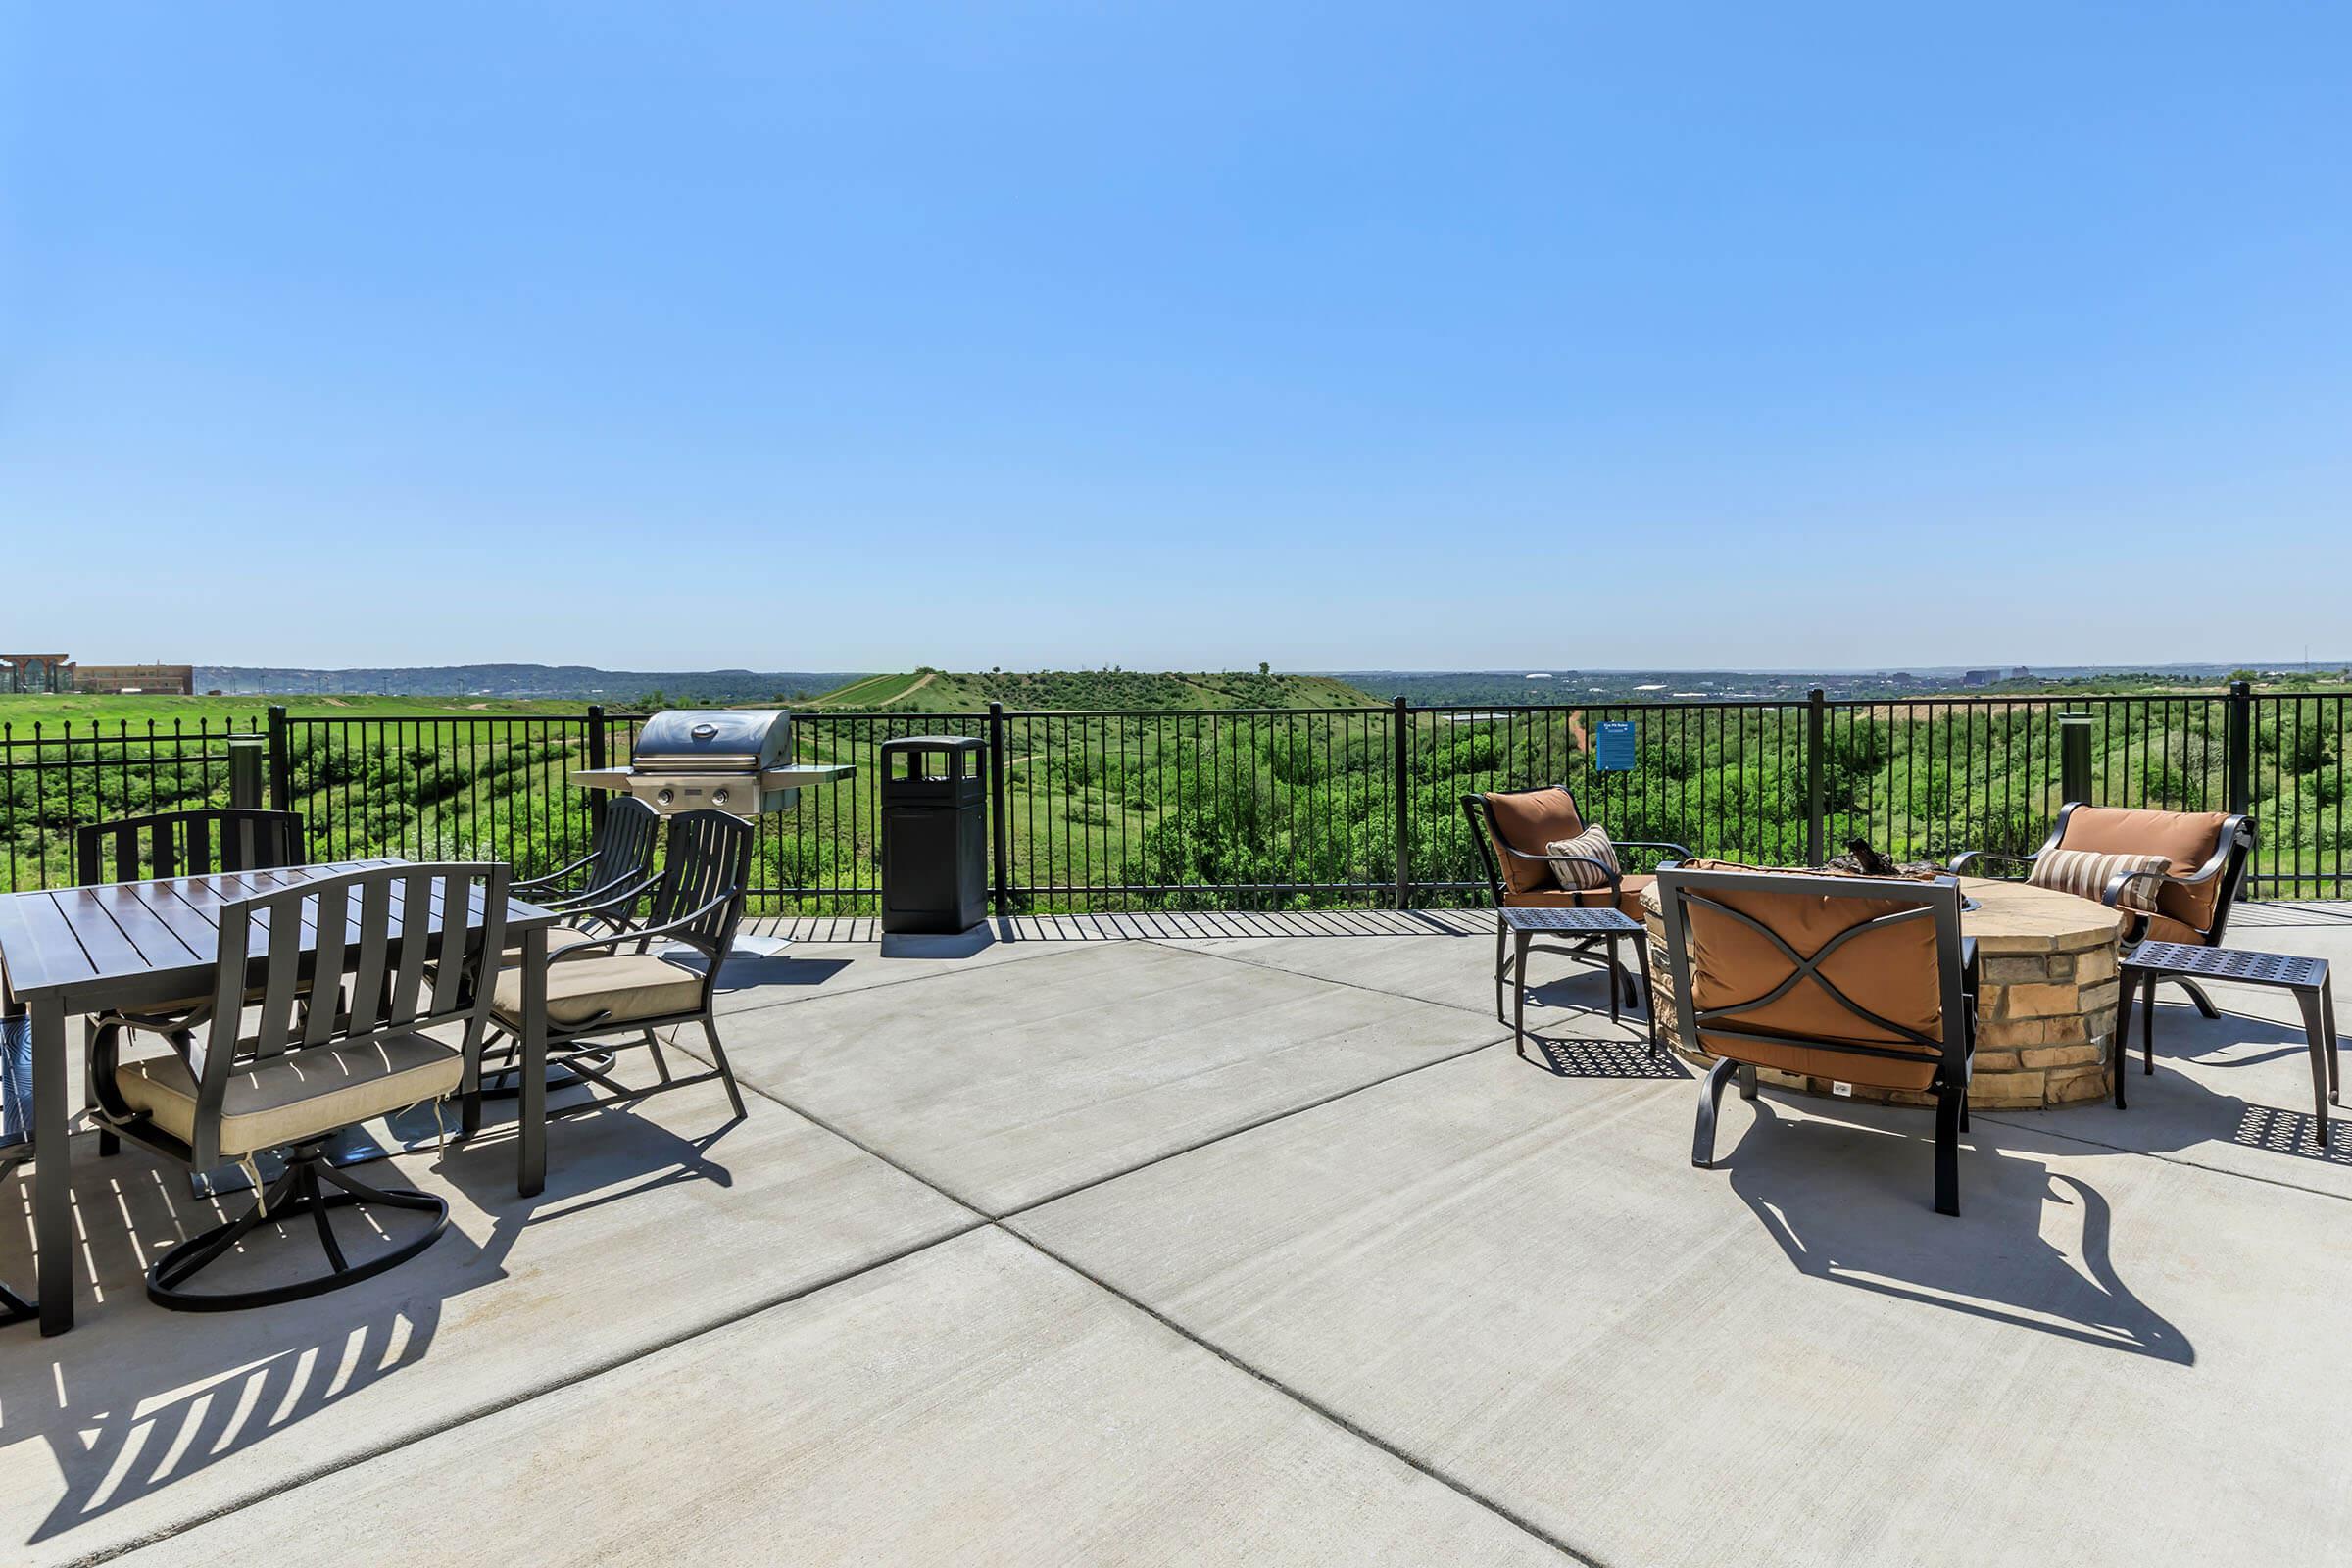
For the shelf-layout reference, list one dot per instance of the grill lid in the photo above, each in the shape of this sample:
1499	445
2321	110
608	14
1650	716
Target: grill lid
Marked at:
713	740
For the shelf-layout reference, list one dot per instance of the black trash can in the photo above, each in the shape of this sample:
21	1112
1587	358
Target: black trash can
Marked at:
934	834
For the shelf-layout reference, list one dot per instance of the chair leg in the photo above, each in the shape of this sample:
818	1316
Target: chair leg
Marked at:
292	1194
1502	939
98	1049
1710	1098
1748	1082
2196	993
1950	1103
719	1058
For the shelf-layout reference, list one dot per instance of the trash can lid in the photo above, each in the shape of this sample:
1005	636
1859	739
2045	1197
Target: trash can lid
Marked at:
934	742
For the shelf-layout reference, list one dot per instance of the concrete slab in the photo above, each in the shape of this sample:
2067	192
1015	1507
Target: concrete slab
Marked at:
1522	1284
976	1403
1024	1081
1450	963
657	1223
2232	1093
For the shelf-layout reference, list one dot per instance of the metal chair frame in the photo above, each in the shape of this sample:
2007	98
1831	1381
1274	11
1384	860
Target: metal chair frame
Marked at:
697	901
2227	865
1489	838
1938	901
383	953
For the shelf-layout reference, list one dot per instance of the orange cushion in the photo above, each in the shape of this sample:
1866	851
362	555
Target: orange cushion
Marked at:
1628	898
2187	839
1527	821
1893	972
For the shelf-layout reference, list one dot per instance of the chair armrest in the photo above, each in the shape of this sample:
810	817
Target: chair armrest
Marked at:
599	902
2114	889
546	882
1967	857
1682	851
670	928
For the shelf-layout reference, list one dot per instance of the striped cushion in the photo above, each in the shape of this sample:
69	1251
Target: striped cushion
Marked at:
1594	845
2081	871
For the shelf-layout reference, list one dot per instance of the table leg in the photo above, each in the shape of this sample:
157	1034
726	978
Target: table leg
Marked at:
2335	1073
1616	981
1649	998
531	1105
1519	941
53	1167
2147	1027
2315	1030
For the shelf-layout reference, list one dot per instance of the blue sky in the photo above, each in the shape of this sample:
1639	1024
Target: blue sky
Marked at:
1343	336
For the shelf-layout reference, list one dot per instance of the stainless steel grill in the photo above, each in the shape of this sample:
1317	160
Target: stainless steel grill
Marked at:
734	759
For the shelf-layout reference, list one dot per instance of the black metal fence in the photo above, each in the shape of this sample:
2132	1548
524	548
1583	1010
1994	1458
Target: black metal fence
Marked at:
1268	807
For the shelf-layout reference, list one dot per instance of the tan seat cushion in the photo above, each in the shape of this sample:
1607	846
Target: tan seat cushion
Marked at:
2086	874
619	987
1591	845
2187	839
1629	897
2164	928
300	1095
1527	821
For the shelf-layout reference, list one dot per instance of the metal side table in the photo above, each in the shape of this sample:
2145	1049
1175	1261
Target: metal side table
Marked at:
1595	924
2307	978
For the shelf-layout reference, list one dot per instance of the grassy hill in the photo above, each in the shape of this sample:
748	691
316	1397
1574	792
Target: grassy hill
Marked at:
935	691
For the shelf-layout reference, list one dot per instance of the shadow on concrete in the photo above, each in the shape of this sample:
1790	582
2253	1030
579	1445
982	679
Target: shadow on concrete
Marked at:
1600	1058
2176	1110
1849	1204
136	1399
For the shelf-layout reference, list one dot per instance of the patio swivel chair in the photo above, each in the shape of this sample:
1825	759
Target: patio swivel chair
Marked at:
303	1073
2208	853
1848	979
169	843
605	884
620	991
1514	830
596	895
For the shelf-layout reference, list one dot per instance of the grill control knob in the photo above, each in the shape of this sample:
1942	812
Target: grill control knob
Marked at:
718	797
665	796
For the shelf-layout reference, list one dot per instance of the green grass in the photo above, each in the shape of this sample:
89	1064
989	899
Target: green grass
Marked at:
21	712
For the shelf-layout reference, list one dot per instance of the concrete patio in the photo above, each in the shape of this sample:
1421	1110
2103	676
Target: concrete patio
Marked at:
1250	1239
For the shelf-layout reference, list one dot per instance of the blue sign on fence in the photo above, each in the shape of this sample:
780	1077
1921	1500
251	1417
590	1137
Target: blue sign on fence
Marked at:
1613	751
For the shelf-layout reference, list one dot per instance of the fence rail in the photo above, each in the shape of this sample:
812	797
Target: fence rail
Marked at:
1264	808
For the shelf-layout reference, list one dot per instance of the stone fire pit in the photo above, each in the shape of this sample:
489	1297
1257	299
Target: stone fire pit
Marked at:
2046	1011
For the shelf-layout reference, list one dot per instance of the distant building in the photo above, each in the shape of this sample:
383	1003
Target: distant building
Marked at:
2021	672
1979	677
28	673
31	674
175	680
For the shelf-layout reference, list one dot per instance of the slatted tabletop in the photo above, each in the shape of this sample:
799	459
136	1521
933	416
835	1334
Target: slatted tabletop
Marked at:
146	940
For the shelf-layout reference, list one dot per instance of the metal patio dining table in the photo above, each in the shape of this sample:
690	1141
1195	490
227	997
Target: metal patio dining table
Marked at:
67	951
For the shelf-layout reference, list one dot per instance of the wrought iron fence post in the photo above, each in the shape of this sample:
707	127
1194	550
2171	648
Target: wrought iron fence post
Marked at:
1816	717
1000	848
281	762
2241	770
597	758
2242	746
1400	723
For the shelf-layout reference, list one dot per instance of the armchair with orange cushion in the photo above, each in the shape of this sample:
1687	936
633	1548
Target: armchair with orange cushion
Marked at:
1516	832
1824	975
2205	855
